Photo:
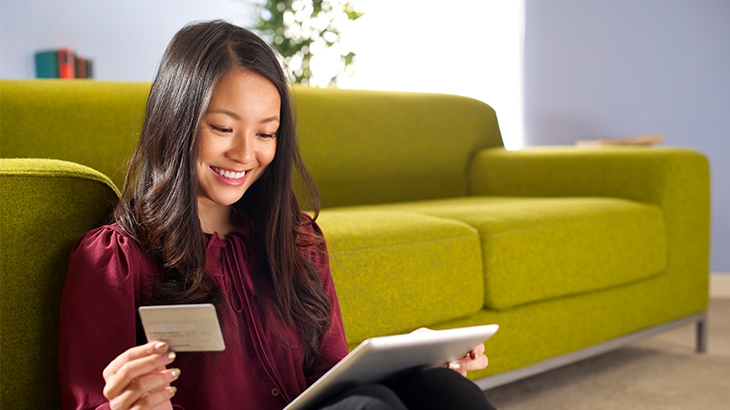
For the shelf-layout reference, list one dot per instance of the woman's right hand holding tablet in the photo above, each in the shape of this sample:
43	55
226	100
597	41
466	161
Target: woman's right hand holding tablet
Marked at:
138	378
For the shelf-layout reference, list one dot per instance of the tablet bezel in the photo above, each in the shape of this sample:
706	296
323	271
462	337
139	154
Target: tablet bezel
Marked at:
384	358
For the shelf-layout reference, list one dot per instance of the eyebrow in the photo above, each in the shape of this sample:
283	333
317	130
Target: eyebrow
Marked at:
238	117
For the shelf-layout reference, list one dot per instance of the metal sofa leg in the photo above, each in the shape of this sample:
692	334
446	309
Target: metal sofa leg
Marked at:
701	335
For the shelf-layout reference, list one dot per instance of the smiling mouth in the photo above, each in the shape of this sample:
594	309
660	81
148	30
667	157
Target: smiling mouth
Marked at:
228	174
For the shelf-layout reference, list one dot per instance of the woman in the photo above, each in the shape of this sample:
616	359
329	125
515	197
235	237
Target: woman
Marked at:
208	215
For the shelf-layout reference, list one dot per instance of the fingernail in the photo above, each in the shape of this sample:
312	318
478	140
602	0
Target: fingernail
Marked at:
171	355
175	373
172	390
161	346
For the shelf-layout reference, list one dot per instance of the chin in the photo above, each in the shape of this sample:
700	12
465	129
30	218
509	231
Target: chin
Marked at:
228	200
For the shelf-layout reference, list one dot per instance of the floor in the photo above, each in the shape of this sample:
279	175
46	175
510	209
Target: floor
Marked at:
683	339
662	372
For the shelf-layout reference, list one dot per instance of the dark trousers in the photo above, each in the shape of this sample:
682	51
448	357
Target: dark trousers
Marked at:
430	389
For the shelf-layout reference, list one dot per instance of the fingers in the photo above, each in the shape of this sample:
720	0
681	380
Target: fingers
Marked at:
139	374
129	368
481	362
134	353
457	366
476	352
462	366
147	391
474	360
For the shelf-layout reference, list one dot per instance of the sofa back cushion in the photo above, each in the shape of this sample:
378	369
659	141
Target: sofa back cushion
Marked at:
362	147
46	206
93	123
367	147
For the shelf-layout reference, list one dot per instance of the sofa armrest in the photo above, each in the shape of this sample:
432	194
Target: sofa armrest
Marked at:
46	206
675	179
643	174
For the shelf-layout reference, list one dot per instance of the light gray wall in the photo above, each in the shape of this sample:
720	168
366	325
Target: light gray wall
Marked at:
125	39
613	68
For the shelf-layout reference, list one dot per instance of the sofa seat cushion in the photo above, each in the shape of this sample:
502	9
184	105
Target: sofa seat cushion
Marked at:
541	248
397	271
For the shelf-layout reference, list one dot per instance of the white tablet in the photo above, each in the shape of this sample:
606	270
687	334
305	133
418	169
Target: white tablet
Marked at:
382	358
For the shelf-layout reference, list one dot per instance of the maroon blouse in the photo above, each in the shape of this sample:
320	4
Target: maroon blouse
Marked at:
262	366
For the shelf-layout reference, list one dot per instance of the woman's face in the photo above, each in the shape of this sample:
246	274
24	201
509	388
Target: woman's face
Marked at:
237	137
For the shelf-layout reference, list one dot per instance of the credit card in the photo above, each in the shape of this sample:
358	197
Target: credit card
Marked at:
186	328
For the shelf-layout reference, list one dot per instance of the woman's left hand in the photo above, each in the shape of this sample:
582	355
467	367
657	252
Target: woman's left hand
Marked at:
474	360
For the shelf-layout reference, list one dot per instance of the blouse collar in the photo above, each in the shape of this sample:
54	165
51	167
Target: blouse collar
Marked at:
245	230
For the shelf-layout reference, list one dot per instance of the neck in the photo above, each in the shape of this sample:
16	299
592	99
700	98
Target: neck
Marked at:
215	218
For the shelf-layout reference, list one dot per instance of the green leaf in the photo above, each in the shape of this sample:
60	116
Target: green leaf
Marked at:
270	25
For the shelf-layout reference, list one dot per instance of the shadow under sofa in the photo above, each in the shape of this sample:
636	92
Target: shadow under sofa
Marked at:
428	219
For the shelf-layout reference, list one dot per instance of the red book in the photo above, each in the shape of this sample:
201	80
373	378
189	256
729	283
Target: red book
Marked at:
66	63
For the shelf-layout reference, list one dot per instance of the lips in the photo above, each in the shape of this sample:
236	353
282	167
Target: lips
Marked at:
229	174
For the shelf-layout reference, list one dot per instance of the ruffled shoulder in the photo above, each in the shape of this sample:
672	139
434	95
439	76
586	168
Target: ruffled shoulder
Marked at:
106	237
106	255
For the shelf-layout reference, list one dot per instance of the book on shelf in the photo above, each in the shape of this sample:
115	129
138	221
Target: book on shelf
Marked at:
62	63
637	140
66	63
82	67
46	64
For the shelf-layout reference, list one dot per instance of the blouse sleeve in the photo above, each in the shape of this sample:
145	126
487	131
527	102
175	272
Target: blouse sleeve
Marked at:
97	313
334	344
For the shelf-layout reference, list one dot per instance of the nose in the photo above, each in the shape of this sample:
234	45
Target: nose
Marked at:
244	148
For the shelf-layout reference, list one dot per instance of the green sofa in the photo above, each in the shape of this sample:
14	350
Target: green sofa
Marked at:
429	221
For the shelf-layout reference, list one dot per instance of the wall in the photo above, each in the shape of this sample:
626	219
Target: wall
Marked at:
404	46
616	68
124	38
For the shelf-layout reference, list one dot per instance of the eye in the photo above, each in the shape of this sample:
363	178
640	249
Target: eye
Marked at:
222	130
267	136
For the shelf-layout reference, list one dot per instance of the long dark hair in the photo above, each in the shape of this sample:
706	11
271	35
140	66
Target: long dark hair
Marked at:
159	207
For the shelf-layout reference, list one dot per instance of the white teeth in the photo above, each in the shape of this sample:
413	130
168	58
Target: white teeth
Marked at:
230	174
